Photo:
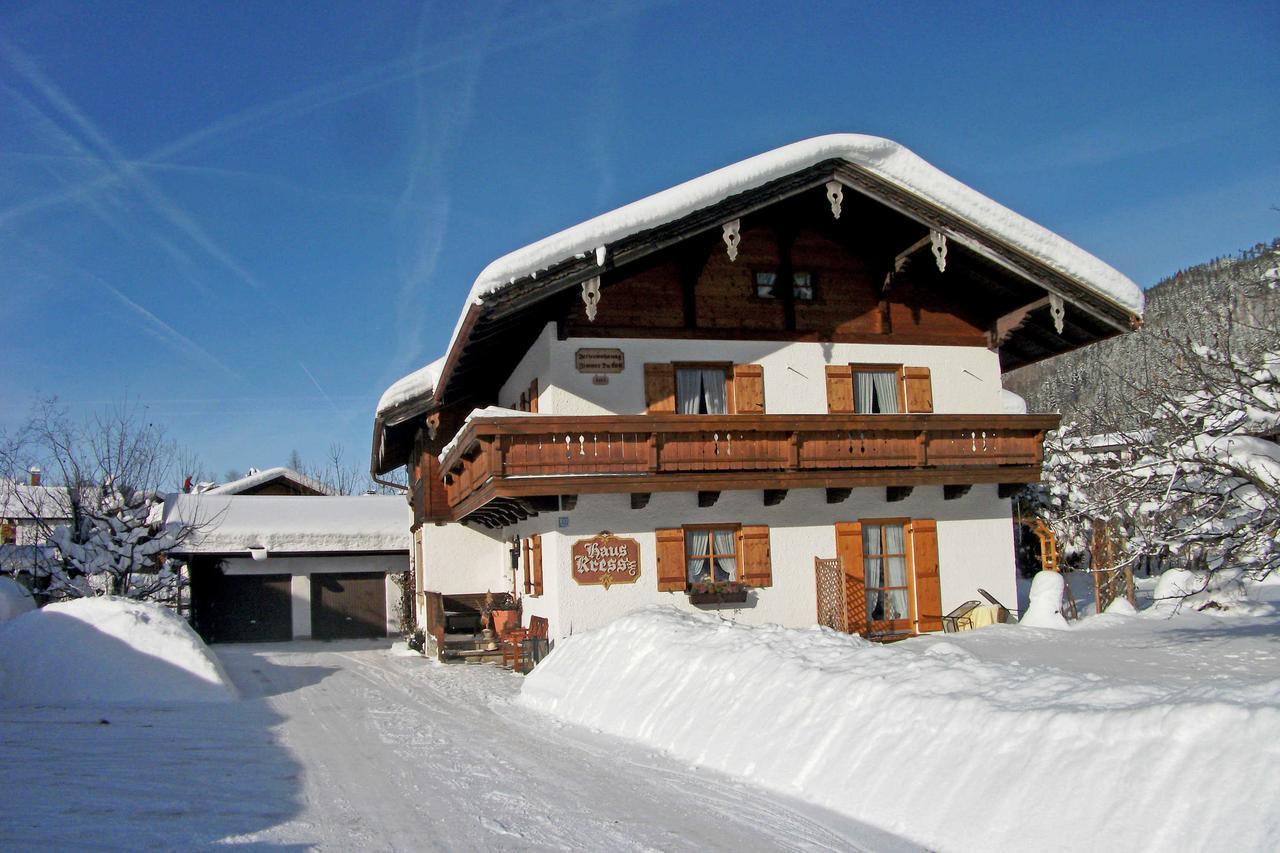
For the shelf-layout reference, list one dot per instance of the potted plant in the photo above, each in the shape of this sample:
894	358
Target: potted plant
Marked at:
718	592
506	614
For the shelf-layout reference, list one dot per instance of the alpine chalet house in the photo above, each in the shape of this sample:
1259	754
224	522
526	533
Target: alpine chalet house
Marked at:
774	391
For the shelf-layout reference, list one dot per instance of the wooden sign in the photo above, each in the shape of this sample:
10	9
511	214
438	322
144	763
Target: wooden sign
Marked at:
606	560
595	360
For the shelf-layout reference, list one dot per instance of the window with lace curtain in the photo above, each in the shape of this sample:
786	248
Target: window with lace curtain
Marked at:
702	390
711	554
884	566
875	392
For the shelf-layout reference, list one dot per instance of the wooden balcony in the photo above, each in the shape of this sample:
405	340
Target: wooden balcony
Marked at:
517	459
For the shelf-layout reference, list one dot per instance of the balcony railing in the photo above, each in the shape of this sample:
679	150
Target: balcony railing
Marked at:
636	452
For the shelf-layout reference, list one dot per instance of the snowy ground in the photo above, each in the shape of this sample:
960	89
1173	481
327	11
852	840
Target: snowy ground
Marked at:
349	746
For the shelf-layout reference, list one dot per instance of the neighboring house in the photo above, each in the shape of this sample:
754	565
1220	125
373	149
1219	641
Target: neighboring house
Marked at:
791	360
273	481
280	567
29	511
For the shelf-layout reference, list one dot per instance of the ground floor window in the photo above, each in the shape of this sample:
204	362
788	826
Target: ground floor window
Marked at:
711	554
884	563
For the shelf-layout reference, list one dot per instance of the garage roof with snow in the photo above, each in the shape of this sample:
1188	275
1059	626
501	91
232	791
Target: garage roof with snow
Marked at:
241	524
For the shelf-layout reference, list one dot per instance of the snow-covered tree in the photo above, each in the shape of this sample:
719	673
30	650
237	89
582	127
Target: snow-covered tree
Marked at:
114	467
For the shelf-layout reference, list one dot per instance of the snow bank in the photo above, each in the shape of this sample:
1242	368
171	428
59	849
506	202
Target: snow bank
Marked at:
926	740
1044	602
14	600
106	650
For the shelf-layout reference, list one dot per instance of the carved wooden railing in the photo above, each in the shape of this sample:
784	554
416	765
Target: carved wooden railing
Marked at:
506	448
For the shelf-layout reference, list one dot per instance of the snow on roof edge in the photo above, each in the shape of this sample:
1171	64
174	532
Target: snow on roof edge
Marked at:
883	157
235	487
419	383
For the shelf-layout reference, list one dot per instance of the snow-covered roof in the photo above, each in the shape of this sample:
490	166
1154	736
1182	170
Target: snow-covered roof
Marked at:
20	500
881	157
291	523
418	384
258	478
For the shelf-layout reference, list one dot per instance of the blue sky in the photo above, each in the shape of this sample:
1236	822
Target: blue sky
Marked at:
252	217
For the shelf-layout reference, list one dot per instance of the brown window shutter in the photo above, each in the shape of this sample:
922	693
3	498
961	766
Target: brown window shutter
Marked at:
919	389
524	562
535	560
748	389
924	559
839	389
533	397
753	551
671	569
849	550
660	387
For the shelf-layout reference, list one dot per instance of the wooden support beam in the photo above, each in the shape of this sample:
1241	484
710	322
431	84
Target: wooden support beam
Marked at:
835	496
706	499
893	494
958	491
639	500
1008	490
773	497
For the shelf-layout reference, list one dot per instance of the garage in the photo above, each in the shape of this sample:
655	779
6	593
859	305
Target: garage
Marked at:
348	605
242	608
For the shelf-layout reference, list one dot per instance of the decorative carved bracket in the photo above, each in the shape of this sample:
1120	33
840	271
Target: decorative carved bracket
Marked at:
1057	310
591	296
939	243
732	238
835	195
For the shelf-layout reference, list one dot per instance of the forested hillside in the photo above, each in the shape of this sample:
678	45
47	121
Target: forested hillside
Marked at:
1232	300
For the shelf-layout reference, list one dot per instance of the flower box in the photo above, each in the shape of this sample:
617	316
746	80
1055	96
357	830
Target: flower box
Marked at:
718	593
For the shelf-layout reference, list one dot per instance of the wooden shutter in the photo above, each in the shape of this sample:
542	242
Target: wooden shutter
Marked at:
753	551
524	562
748	389
839	389
849	550
670	548
533	397
924	550
918	389
535	561
660	387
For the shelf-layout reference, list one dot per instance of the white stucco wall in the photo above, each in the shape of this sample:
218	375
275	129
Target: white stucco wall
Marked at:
975	545
536	364
301	569
461	559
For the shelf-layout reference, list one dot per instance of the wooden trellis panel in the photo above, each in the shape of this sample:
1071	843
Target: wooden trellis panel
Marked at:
831	603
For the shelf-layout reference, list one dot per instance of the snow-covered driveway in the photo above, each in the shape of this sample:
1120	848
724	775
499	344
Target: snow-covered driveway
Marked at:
401	753
346	746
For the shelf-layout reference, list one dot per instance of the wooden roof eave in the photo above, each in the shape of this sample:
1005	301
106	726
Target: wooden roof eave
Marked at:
1002	254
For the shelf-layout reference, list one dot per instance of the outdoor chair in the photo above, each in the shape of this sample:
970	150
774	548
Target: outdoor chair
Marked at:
522	645
959	619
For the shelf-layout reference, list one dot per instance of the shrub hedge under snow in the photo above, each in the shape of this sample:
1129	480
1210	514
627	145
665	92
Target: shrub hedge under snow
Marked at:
106	650
927	741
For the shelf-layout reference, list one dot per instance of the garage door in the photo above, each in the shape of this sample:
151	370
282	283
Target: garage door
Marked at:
244	608
348	606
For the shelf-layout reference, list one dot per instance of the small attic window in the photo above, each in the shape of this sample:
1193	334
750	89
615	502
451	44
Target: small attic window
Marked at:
768	287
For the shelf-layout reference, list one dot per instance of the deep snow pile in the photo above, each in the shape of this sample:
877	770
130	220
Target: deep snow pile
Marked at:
14	599
959	743
108	650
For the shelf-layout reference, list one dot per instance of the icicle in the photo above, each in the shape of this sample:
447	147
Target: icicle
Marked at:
591	296
835	195
1057	310
939	242
732	238
601	252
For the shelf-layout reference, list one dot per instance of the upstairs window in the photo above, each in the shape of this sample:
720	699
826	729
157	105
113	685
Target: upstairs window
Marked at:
768	286
875	392
702	390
